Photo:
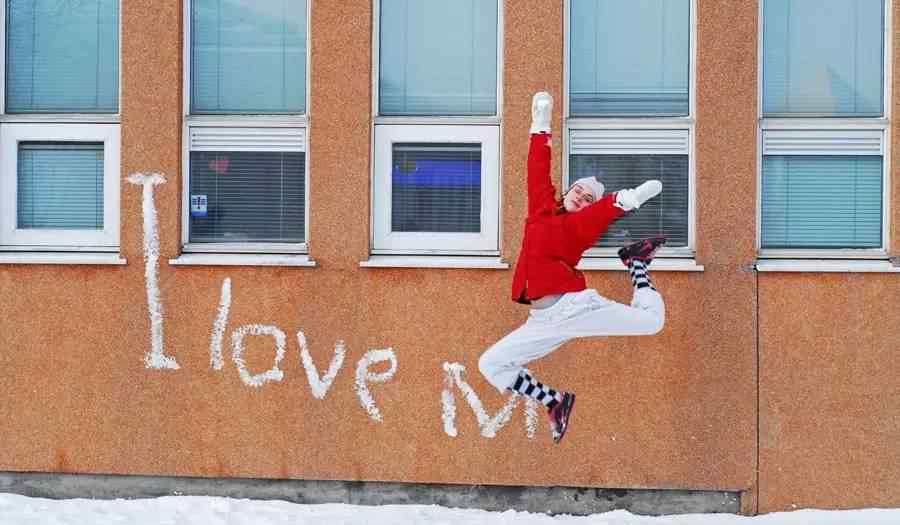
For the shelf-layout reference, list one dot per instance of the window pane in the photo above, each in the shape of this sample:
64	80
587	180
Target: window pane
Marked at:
247	197
436	188
248	56
438	57
823	57
60	186
62	57
821	201
666	214
629	57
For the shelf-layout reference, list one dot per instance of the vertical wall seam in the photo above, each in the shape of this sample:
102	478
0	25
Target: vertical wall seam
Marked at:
758	381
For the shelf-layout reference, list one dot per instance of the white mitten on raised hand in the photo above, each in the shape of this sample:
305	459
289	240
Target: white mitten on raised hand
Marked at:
632	199
541	109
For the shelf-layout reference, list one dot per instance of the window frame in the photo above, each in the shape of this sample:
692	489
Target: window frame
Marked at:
387	241
430	127
61	127
14	239
806	126
253	125
636	125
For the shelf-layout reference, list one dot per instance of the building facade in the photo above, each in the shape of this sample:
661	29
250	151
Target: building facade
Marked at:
271	238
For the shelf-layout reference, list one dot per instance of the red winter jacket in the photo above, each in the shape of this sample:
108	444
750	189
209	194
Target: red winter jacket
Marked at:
554	241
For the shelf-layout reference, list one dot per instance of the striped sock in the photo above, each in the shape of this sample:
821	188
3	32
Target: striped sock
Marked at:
531	387
639	276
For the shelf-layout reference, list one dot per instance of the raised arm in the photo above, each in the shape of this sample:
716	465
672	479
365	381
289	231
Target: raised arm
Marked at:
541	193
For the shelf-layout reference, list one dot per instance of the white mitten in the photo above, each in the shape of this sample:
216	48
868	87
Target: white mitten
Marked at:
541	109
632	199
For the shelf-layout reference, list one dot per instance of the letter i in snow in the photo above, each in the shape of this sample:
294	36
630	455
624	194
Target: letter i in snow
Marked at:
156	357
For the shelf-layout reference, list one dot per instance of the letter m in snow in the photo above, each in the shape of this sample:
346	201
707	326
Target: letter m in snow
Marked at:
453	377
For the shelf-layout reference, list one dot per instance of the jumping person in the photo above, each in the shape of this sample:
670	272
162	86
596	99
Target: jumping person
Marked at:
557	232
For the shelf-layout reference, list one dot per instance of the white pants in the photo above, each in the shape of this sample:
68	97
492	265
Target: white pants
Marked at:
576	314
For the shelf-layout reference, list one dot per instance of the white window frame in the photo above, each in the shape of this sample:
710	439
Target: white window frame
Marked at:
841	136
387	130
279	132
59	127
11	237
643	134
387	241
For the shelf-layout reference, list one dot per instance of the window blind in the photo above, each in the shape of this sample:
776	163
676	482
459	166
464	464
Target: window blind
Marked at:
436	188
666	214
629	57
60	186
62	57
823	57
438	57
248	56
248	196
822	201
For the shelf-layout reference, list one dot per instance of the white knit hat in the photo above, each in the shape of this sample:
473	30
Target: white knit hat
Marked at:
592	184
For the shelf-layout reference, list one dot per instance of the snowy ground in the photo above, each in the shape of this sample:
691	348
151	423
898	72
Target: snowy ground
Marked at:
189	510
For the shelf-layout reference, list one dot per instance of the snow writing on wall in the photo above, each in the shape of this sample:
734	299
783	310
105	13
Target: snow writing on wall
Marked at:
319	385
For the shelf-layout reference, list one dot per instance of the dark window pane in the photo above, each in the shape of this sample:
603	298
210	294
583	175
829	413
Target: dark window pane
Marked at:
250	197
666	214
436	188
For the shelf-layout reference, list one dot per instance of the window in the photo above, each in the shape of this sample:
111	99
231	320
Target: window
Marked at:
628	112
59	139
246	103
437	167
823	166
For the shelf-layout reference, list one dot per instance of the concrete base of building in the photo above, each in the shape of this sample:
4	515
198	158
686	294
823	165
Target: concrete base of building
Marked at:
551	500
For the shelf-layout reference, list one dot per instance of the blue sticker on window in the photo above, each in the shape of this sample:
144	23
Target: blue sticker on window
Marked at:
198	205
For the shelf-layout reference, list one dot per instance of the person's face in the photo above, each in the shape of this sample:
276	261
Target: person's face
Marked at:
577	198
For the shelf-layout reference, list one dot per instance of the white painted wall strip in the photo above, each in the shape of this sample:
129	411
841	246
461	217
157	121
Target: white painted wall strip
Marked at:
241	259
111	259
825	266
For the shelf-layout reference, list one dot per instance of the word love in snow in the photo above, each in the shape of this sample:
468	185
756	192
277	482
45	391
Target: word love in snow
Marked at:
156	357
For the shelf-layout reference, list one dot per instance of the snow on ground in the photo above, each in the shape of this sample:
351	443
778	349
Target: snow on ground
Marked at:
196	510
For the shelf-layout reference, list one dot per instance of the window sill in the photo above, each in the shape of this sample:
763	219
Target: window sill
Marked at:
659	264
241	259
434	261
825	265
73	258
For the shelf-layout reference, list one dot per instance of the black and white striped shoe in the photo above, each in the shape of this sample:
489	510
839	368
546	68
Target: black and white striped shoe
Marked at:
642	250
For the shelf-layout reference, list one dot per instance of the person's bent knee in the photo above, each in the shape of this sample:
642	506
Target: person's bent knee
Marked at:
659	322
651	323
488	365
485	364
493	370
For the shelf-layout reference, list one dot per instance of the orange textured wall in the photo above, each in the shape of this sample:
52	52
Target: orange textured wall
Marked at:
655	412
829	388
677	410
659	412
829	394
